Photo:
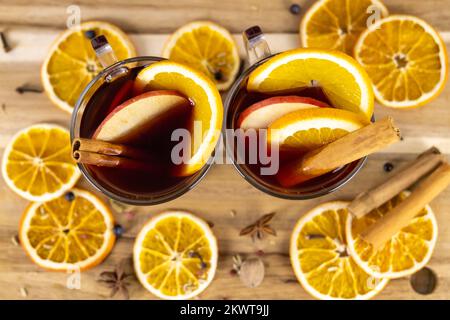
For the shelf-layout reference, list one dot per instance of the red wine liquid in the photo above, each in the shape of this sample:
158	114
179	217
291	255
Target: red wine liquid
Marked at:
243	100
156	141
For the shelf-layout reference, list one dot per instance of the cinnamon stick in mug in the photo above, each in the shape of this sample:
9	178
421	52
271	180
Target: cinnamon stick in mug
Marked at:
355	145
102	160
401	215
411	173
108	148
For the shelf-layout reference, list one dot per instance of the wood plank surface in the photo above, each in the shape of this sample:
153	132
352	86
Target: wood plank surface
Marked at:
30	28
162	16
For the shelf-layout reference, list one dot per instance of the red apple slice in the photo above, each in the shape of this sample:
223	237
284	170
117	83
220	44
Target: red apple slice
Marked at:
263	113
139	114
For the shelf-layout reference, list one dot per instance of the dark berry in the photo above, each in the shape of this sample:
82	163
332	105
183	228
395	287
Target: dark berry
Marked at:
424	281
90	34
69	196
388	167
203	265
118	230
218	75
295	8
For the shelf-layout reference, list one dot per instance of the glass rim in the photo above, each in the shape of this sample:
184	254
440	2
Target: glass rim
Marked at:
158	197
289	196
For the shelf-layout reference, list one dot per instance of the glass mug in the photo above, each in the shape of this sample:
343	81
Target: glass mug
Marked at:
91	108
238	99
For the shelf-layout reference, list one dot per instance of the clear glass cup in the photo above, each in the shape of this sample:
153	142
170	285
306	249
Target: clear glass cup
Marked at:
258	52
83	111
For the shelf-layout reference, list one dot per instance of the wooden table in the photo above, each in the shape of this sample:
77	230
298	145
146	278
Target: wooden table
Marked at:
31	27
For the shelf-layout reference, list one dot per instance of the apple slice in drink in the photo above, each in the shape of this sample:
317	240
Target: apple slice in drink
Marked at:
133	119
261	114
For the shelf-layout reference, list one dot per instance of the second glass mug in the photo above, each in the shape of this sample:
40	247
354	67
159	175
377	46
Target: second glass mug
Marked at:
258	52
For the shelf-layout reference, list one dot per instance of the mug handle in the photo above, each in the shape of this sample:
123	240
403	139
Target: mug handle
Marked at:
107	57
103	51
255	44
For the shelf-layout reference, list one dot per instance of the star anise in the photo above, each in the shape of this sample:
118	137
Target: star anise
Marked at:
260	227
116	280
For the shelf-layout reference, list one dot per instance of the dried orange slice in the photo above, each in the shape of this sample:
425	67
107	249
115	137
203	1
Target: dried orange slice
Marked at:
308	129
341	78
37	163
207	47
407	252
207	111
320	258
71	62
72	232
175	255
337	24
406	60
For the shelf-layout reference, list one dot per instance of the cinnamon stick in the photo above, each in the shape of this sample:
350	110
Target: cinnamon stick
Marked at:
411	173
108	148
347	149
102	160
399	217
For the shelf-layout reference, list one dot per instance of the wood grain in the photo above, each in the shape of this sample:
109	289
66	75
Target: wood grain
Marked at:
161	16
30	29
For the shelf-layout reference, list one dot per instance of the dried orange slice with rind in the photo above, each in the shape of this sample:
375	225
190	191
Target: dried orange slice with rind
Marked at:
337	24
71	62
344	82
68	233
175	255
207	47
37	163
320	259
406	60
407	252
207	112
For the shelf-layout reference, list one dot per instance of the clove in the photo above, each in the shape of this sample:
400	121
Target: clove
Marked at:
28	88
5	44
314	236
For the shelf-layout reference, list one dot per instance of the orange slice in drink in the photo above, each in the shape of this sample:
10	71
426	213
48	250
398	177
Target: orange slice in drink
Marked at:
175	255
207	112
73	232
71	62
37	163
407	252
320	258
337	24
342	79
308	129
406	60
207	47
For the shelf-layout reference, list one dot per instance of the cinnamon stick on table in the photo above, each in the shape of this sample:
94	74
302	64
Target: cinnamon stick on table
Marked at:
353	146
424	164
401	215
